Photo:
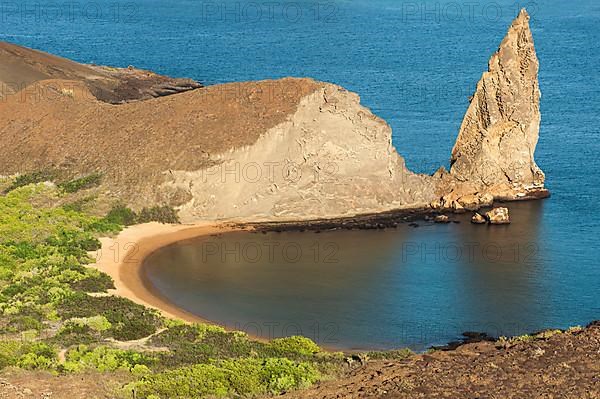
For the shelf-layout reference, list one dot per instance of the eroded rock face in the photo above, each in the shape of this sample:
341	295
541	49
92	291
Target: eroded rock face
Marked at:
494	153
331	158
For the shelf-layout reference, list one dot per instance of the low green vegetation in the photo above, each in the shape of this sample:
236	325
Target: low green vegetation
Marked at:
49	175
57	315
124	216
31	178
245	377
82	183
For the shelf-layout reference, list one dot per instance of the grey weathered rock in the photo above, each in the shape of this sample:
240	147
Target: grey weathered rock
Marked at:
494	152
498	216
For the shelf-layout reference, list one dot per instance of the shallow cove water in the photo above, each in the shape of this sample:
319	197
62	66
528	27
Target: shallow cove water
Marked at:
412	286
414	64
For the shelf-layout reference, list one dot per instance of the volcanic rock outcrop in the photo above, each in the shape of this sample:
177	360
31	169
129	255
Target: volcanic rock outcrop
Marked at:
494	153
290	149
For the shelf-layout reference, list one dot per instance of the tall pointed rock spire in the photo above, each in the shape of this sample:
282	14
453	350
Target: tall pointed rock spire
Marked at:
496	144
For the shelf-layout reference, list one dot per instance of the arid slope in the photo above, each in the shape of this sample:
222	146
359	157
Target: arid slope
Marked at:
565	366
21	68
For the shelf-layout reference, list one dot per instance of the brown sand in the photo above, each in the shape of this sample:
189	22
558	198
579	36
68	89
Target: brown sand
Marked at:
122	257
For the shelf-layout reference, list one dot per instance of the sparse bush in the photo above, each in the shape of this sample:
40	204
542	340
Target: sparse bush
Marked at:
82	183
122	215
31	178
162	214
80	204
399	354
547	334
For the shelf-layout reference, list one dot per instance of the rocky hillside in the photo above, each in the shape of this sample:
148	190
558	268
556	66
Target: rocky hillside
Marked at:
21	68
552	364
273	150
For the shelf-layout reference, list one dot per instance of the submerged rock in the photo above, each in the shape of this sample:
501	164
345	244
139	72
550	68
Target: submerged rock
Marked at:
442	219
498	216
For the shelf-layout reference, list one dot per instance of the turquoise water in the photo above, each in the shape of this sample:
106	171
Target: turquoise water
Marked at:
414	64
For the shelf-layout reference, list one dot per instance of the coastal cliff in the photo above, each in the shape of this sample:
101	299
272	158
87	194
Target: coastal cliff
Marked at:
290	149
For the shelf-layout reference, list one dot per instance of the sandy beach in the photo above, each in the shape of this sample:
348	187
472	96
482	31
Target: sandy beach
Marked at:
121	257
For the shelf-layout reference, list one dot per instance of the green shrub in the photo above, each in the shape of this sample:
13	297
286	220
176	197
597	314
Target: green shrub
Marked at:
72	334
31	178
185	346
129	320
94	281
23	323
105	359
43	285
96	323
10	351
295	345
39	356
82	183
122	215
237	377
161	214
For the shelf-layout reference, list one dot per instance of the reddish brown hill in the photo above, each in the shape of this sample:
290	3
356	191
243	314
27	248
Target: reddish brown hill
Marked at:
59	124
565	366
21	67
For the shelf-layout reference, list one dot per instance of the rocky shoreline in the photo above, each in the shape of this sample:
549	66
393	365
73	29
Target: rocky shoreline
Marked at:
375	221
551	364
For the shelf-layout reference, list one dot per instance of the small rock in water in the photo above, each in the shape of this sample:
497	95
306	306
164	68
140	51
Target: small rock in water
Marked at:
498	216
478	219
442	219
